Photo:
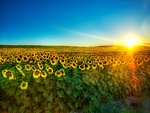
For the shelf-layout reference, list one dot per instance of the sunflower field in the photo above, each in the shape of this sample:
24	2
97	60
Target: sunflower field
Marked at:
46	81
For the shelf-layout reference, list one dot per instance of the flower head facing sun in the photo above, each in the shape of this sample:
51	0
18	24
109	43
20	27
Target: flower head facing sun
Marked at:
24	85
36	73
43	74
58	73
9	74
27	67
62	72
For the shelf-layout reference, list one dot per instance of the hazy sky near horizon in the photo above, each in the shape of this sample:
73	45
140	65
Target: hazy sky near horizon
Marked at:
73	22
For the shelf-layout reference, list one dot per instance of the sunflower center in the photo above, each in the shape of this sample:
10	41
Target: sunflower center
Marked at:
19	59
37	73
8	73
86	66
58	73
82	66
43	73
25	58
27	67
23	84
50	70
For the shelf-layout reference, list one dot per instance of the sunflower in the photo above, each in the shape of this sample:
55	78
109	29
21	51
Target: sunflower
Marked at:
20	56
43	74
64	65
61	56
33	68
36	73
76	61
82	67
18	67
40	65
74	65
25	58
87	66
53	62
27	67
34	55
89	61
146	59
58	73
100	64
18	60
8	73
37	58
123	61
49	70
94	66
68	65
62	61
24	85
139	63
114	63
57	57
67	57
105	62
62	72
47	66
78	56
4	73
44	57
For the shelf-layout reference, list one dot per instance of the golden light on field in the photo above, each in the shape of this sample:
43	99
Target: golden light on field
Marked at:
131	41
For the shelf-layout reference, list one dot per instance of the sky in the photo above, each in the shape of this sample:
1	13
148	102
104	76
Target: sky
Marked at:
73	22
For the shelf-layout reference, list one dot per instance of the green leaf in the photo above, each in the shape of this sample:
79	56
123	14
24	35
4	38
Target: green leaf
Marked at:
31	89
19	91
46	94
59	84
46	81
38	80
5	105
68	79
78	87
60	93
40	88
86	94
102	92
23	95
75	94
68	90
11	91
78	80
61	105
9	108
50	97
92	98
26	102
70	105
60	79
38	98
110	84
76	104
73	83
15	83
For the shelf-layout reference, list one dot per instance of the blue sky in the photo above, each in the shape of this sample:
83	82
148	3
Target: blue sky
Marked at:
73	22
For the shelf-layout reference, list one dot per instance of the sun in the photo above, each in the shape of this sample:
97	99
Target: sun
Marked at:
131	41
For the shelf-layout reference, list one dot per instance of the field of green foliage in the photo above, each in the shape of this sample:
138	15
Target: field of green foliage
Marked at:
69	79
